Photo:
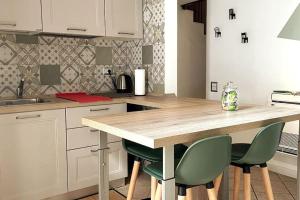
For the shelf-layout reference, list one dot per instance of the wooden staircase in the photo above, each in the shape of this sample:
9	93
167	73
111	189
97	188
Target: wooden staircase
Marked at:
199	9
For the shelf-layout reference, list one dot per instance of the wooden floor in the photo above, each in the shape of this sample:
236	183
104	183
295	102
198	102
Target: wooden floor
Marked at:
112	196
284	188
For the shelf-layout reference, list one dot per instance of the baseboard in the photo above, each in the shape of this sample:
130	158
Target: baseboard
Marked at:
284	164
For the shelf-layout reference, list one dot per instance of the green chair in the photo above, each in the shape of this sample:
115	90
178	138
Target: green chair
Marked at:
143	153
203	161
245	156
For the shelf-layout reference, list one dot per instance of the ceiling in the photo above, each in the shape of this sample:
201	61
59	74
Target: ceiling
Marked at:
181	2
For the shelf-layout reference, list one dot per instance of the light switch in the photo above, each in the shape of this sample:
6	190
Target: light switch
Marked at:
214	86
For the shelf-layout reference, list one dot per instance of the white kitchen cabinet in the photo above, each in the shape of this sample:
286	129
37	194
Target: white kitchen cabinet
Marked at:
124	18
74	17
86	137
20	15
74	115
32	155
83	166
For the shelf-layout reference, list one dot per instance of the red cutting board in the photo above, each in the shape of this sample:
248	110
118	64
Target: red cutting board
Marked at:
82	97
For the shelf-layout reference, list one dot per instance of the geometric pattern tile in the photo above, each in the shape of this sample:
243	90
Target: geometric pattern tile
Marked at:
68	55
158	74
9	80
86	55
158	53
8	53
88	81
76	57
48	40
49	89
69	74
48	55
30	73
148	14
158	13
28	54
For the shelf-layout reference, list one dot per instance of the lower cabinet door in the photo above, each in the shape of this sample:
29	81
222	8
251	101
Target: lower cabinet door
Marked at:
33	161
83	166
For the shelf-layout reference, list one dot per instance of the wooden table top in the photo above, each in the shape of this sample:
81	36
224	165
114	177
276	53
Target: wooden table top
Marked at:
182	120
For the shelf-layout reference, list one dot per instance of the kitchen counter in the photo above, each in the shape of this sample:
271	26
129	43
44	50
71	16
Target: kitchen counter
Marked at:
180	120
152	101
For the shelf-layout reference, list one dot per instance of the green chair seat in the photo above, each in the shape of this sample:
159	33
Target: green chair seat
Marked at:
156	169
149	154
239	150
202	162
261	150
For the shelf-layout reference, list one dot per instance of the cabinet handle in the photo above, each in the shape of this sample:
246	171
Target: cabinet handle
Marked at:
94	130
125	33
76	29
99	109
8	23
28	116
96	150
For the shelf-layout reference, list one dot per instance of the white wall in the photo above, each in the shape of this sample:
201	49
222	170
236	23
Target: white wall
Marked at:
170	46
266	62
191	69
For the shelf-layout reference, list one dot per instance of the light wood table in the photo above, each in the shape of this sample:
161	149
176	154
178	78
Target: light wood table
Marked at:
179	124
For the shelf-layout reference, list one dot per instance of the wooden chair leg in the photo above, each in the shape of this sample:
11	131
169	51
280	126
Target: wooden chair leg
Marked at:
153	187
189	194
247	184
236	183
211	191
134	175
267	182
218	183
158	193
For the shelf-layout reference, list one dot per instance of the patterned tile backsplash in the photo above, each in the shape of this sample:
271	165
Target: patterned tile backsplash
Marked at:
80	61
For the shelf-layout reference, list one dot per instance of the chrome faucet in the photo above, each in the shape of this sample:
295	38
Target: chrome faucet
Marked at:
20	89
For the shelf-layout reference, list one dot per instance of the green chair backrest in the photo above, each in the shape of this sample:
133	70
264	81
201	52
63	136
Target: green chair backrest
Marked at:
264	145
204	161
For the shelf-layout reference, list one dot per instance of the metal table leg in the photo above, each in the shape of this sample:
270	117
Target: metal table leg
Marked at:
168	183
224	190
103	168
298	168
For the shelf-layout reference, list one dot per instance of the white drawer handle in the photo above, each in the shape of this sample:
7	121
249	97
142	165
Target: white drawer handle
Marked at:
76	29
96	150
125	33
94	130
8	23
28	116
99	109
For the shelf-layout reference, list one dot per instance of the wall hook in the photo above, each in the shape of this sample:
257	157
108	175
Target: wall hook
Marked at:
245	38
232	14
217	32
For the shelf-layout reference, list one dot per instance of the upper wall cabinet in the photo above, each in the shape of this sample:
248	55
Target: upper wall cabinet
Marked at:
20	15
124	18
74	17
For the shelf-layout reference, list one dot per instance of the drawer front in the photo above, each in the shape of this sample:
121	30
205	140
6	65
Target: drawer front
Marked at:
74	115
83	166
85	137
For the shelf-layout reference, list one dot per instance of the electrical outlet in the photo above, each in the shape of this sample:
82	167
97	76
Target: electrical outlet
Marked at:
214	86
105	70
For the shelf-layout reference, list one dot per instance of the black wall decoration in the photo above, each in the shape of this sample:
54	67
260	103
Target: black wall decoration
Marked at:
245	38
217	32
232	14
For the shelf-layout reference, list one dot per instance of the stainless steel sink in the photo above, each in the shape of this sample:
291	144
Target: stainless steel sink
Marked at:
7	102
